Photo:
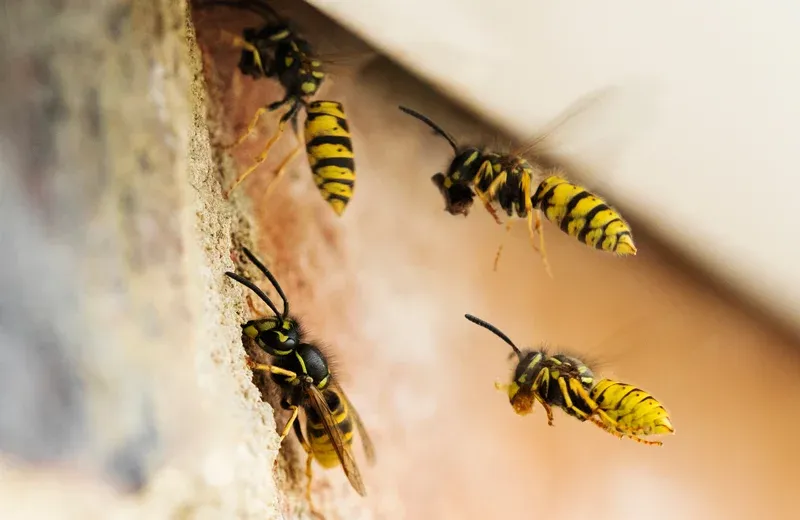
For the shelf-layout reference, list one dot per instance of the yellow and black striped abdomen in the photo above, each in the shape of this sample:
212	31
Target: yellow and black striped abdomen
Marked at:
584	216
330	153
319	441
635	411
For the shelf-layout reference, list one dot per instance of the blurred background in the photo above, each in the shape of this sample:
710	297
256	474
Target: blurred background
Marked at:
390	291
687	135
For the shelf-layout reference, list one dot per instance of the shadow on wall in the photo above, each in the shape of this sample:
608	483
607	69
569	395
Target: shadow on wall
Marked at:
387	286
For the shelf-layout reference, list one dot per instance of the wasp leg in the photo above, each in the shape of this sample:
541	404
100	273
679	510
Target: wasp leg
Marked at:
292	420
500	248
282	167
596	410
238	41
621	434
535	227
271	369
309	472
250	127
547	409
544	375
484	196
309	476
259	159
562	385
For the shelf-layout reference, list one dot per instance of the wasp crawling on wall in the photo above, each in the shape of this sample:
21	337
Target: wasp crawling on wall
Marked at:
507	180
275	50
561	381
302	372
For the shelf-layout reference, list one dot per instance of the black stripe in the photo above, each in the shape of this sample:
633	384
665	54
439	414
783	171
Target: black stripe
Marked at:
632	390
339	120
341	140
538	196
618	236
343	182
342	162
336	196
602	394
648	398
589	216
605	226
571	207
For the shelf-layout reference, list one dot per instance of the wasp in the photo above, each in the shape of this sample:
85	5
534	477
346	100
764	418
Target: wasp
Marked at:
562	381
507	180
301	370
275	50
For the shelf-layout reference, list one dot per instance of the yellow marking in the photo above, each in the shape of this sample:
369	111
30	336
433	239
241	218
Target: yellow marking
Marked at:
448	182
282	352
250	331
281	336
308	87
280	36
587	380
301	361
474	155
288	61
497	183
317	74
316	63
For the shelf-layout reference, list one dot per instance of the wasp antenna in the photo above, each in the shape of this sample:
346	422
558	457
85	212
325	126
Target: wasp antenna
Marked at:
495	330
272	280
436	128
250	285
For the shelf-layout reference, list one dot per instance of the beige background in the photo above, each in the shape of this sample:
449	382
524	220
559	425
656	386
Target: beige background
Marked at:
701	145
387	286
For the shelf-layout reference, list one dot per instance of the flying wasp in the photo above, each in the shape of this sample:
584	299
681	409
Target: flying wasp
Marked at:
301	370
562	381
507	180
276	50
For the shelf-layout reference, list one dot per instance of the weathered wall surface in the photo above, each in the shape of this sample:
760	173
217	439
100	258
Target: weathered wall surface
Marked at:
122	371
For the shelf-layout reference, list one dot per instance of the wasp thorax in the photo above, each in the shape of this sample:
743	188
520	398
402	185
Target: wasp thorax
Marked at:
315	363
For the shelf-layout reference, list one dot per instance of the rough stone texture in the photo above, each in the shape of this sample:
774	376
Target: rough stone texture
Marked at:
122	364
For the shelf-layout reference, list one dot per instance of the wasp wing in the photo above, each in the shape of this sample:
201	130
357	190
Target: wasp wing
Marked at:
332	430
366	441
